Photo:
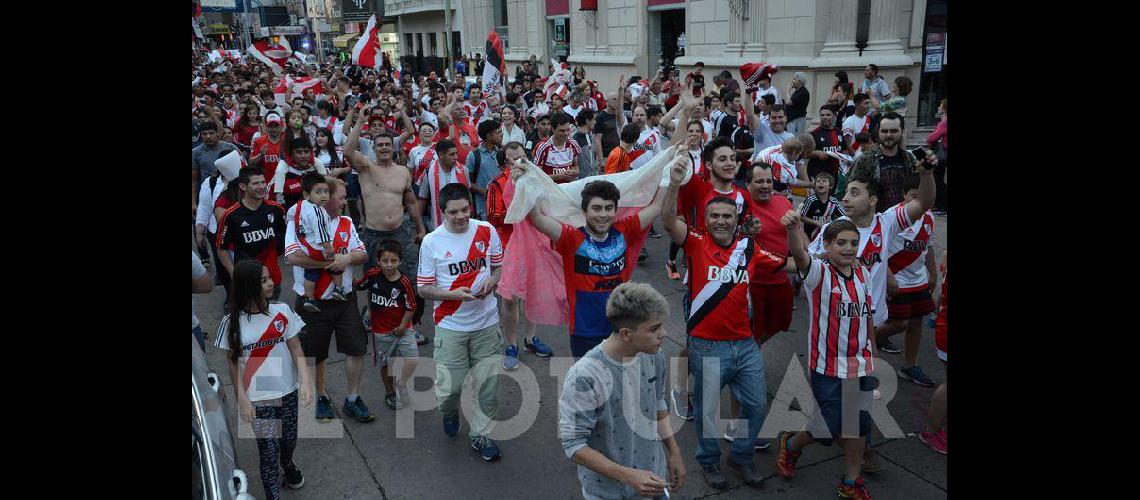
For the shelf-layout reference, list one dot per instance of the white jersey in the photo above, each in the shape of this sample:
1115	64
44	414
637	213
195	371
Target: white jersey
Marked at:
770	90
313	225
571	111
345	240
907	251
268	369
873	241
782	170
652	140
450	261
428	117
206	198
853	125
415	157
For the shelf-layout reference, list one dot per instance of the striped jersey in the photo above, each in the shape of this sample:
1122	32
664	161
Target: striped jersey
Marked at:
554	160
718	284
907	252
450	261
783	171
839	309
873	252
344	240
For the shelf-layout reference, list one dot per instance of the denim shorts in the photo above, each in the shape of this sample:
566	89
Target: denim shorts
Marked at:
831	395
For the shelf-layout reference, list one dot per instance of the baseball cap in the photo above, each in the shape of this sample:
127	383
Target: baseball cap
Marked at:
272	118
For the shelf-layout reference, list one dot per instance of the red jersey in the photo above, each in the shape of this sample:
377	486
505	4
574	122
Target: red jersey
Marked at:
772	236
718	284
554	160
839	314
272	154
468	140
695	195
497	204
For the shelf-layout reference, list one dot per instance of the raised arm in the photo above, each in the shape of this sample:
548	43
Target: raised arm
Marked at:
646	215
676	228
687	103
915	208
352	153
620	102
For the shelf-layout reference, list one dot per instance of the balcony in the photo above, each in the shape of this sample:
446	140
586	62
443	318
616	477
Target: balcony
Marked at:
394	8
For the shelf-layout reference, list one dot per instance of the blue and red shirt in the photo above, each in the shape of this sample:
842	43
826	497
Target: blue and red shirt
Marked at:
593	269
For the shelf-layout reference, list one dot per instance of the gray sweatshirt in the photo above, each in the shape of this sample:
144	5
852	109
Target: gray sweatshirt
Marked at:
612	408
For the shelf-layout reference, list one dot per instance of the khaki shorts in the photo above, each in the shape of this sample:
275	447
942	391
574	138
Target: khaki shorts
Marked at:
389	345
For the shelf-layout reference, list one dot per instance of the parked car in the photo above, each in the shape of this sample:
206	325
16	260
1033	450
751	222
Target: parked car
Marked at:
215	471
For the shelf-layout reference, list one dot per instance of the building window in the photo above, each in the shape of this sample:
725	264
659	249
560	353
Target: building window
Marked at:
432	43
456	44
500	20
410	45
863	25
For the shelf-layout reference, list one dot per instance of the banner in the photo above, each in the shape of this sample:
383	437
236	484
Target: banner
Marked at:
271	54
495	67
367	50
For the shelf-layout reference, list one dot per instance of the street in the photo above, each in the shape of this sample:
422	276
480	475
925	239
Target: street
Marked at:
347	459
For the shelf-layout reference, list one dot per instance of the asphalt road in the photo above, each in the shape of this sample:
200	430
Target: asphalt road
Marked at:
347	459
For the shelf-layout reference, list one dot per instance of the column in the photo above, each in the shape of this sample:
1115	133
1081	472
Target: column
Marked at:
844	14
884	35
757	31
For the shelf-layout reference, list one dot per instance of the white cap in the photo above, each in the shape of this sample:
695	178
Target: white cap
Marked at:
229	165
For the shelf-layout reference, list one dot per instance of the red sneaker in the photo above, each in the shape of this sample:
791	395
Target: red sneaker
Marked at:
786	460
857	490
935	440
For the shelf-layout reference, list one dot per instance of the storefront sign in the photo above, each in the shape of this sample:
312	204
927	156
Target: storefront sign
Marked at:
935	52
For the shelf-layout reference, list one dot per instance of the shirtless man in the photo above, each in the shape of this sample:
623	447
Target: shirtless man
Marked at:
386	188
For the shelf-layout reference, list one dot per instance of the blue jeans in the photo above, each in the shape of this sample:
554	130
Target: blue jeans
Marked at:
738	364
197	332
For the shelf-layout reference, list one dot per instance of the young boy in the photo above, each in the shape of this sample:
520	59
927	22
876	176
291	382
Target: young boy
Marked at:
314	233
392	304
821	206
613	419
841	349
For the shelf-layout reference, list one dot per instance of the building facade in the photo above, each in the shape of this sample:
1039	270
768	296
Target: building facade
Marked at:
637	37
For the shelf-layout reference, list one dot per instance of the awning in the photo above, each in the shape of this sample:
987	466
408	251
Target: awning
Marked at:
342	40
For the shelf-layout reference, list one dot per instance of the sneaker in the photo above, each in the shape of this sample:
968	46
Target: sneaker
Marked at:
393	402
714	477
653	233
871	462
358	410
914	374
294	479
324	410
487	448
888	347
421	340
786	460
675	394
748	473
671	271
761	444
310	305
857	490
451	425
538	348
338	294
511	358
934	440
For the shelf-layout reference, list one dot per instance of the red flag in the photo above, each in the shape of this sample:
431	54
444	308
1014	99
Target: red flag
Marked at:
495	67
273	55
367	50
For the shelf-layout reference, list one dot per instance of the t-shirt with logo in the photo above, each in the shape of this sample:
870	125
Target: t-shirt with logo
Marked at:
272	154
854	125
387	300
475	113
593	269
826	140
254	234
872	251
268	369
839	342
718	284
450	261
651	140
821	211
783	171
555	160
695	195
344	240
907	252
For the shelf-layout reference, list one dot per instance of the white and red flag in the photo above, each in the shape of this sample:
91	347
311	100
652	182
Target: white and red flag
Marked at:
495	67
367	51
272	54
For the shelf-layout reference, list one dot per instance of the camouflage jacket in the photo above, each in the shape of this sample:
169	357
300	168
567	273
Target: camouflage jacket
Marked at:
868	163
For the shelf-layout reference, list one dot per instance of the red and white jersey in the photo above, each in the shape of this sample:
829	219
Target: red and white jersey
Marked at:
782	170
268	370
873	241
719	284
313	227
853	125
554	160
839	343
419	161
651	140
345	240
907	251
450	261
475	113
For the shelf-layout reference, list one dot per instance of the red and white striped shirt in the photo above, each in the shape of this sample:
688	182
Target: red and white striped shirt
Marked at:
450	261
782	170
839	312
554	160
907	252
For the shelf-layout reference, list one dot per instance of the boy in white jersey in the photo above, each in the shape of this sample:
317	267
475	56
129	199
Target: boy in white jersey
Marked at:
314	233
841	349
459	268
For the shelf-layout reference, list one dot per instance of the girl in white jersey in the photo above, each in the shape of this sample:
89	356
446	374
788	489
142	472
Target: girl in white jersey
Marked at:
267	367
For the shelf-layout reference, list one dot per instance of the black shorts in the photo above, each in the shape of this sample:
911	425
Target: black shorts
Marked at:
336	316
909	305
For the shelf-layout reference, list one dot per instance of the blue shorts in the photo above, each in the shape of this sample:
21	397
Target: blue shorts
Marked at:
832	395
313	275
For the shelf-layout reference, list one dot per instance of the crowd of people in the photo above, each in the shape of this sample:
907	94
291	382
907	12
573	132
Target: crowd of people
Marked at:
401	186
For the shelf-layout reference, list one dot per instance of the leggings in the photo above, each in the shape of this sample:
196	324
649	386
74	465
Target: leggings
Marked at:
275	442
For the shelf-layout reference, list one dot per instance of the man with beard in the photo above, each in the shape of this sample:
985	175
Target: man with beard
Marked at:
827	139
888	163
596	258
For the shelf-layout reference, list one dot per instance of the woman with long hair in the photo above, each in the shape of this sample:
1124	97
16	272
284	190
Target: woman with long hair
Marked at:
267	368
579	75
511	129
247	125
843	95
